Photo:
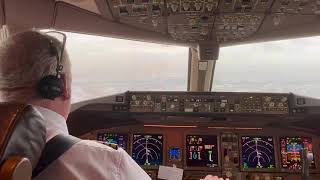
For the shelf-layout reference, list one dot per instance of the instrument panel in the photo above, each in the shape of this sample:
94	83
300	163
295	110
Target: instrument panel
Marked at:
209	102
239	135
239	155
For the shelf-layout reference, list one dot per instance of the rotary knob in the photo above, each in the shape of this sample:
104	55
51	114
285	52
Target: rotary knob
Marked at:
223	105
284	99
174	7
271	104
186	6
198	6
209	7
268	99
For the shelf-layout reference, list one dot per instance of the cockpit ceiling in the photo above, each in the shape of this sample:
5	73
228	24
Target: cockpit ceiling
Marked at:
89	5
183	22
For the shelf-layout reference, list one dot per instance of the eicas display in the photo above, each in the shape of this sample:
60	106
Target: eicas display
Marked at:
147	149
290	152
202	151
120	139
257	152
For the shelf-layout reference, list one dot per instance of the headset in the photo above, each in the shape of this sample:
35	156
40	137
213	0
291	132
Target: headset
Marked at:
52	86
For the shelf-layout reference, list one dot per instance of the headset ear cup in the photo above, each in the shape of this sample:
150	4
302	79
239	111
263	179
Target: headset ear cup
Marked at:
50	87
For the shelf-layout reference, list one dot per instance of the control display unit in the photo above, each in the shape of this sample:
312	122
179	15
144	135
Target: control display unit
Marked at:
147	149
258	152
201	151
290	152
120	139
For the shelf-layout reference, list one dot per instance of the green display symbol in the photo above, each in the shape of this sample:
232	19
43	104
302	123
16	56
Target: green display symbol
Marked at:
245	165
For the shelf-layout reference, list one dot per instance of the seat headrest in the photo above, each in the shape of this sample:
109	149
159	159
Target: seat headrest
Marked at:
22	132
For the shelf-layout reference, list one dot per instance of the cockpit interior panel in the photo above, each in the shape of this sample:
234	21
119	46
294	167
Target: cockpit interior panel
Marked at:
242	136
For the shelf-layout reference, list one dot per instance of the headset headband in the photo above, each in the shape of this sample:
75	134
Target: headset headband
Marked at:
59	67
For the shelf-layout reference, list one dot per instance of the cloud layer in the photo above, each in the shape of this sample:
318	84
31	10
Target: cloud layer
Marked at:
102	66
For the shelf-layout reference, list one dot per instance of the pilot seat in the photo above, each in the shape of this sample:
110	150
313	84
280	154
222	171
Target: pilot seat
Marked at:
22	140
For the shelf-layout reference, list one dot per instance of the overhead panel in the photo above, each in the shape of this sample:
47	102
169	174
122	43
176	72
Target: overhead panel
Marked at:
302	7
239	19
191	20
145	14
237	26
197	21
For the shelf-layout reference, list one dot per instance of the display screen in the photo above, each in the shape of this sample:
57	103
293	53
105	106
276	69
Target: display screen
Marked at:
174	154
290	152
258	152
202	151
120	139
147	149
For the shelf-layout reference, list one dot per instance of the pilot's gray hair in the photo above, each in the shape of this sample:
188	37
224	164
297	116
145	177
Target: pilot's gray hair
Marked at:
25	58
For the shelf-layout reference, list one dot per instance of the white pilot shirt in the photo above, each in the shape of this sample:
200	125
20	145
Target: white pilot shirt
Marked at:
87	160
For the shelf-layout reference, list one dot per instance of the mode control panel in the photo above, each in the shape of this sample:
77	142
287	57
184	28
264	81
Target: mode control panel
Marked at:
185	102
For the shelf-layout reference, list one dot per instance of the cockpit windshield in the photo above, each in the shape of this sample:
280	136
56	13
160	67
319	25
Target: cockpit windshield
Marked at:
279	66
103	66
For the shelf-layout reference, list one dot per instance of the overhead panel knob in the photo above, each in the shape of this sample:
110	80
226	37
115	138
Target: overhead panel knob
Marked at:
174	7
186	6
198	6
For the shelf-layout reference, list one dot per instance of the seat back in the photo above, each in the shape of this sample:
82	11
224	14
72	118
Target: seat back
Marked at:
22	139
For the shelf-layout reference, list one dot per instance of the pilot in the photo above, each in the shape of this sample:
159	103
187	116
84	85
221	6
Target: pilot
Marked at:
25	58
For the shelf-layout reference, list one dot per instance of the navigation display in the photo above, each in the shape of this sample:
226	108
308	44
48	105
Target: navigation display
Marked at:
147	149
290	152
257	152
120	139
202	151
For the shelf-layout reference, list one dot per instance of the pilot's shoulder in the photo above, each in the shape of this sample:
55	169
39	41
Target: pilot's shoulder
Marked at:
97	146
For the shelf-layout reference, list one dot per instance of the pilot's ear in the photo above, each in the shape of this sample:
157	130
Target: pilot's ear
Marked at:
66	87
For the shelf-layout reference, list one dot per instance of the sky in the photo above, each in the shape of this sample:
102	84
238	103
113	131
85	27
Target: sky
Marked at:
103	66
